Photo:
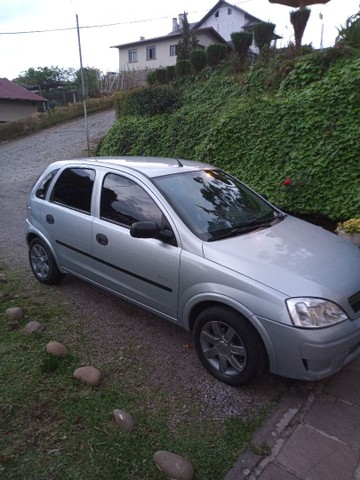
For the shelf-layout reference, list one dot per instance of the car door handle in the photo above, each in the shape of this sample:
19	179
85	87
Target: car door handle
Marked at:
102	239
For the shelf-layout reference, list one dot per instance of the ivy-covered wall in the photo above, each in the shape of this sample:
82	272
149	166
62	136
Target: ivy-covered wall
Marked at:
267	128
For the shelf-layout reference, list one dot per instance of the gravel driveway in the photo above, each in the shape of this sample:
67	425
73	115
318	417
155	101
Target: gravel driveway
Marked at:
110	325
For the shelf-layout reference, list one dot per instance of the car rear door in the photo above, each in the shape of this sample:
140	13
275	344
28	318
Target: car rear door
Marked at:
68	219
143	270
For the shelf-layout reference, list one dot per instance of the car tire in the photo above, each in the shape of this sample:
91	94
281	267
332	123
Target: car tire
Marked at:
43	264
229	346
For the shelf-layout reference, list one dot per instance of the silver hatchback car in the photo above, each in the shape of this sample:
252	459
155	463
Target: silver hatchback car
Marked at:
258	288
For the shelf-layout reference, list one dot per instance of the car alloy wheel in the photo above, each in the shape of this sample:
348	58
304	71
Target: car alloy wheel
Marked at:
43	264
229	346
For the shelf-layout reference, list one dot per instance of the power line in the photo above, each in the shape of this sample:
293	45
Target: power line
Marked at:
65	29
83	27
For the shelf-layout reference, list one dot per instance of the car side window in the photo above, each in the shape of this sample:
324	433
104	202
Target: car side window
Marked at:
125	202
74	188
41	191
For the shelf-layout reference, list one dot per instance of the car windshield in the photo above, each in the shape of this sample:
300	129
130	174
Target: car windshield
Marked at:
215	205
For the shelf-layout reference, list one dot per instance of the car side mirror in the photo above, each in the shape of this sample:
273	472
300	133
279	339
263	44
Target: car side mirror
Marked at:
150	229
145	229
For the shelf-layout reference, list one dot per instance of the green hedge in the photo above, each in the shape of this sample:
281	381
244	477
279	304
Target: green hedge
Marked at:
182	68
215	54
38	121
308	131
151	100
134	135
198	60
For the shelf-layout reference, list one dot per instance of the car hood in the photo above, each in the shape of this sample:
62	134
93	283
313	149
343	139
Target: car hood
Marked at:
293	257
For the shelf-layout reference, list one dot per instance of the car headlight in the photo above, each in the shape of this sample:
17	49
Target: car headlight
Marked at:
314	312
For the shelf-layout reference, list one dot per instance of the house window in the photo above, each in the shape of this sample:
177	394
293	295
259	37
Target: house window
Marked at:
133	56
229	11
151	52
217	14
173	50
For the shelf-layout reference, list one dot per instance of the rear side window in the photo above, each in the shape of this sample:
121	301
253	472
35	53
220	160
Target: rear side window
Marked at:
125	202
74	188
44	185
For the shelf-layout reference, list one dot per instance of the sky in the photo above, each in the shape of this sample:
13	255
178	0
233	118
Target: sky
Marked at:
54	38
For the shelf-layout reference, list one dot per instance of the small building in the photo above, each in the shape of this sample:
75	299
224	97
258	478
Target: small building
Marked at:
17	102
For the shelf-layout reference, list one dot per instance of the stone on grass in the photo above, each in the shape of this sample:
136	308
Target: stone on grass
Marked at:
173	465
124	420
14	313
89	375
34	327
57	349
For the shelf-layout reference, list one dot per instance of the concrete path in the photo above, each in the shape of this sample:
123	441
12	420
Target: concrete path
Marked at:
316	437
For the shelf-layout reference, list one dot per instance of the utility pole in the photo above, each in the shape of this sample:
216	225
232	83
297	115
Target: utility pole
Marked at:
83	87
322	31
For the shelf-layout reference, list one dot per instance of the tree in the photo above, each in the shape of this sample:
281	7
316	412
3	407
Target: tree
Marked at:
42	76
188	40
350	33
299	19
92	77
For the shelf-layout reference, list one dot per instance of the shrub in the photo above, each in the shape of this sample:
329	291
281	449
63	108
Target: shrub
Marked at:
215	54
157	76
299	19
151	100
170	73
198	60
349	226
263	33
350	34
306	132
134	135
150	78
38	121
183	68
242	42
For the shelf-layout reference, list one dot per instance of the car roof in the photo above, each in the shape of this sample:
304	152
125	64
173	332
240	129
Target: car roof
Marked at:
149	166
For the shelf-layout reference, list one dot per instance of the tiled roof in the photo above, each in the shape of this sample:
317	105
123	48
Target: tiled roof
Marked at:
13	91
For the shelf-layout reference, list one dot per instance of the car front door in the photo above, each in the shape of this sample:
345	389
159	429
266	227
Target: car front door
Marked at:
143	270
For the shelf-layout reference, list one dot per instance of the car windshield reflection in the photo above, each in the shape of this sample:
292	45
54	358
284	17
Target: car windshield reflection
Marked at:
215	205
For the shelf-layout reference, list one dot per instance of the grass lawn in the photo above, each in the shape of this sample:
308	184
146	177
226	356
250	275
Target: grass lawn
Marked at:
52	427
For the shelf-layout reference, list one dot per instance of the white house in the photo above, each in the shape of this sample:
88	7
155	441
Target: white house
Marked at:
147	54
226	19
215	27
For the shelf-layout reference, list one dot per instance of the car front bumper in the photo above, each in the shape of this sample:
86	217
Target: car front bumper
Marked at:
311	354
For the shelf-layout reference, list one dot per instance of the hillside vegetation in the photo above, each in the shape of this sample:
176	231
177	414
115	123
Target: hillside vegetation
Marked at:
285	120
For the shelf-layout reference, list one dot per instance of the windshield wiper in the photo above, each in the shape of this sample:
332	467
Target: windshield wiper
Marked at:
239	229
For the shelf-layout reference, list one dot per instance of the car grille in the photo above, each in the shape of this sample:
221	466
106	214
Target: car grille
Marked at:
355	302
